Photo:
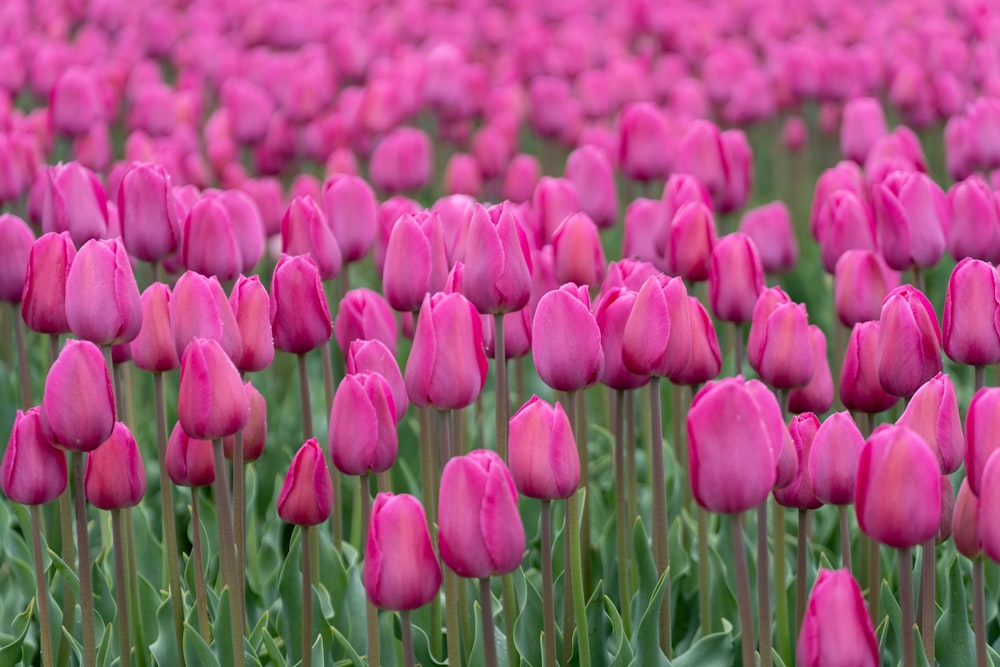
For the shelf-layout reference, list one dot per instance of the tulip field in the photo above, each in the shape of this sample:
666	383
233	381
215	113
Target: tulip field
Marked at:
493	333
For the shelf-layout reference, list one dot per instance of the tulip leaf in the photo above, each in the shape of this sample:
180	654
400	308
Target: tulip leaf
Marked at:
68	573
196	651
165	648
644	565
715	650
954	641
528	625
12	653
274	654
105	647
223	629
477	657
421	648
646	640
620	650
318	652
290	589
890	607
596	626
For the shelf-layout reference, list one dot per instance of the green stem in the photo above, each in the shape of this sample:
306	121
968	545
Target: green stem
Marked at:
451	584
584	449
548	591
801	567
428	474
845	537
661	545
742	589
133	590
500	367
121	590
737	348
979	611
906	607
763	588
630	467
22	358
66	539
227	547
336	514
307	428
201	599
928	608
704	575
780	584
371	616
569	612
240	522
621	519
167	516
40	584
979	376
576	571
406	633
307	625
510	617
83	551
874	580
489	632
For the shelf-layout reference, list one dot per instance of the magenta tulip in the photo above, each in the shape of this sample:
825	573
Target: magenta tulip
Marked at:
498	261
965	522
566	339
115	477
972	314
401	570
833	460
770	228
255	430
305	231
778	346
933	414
79	403
836	630
252	308
800	493
189	460
33	472
211	401
544	461
909	343
16	241
362	435
643	134
975	221
154	349
859	384
102	298
736	278
351	212
199	308
300	316
576	248
306	497
149	215
365	315
817	396
658	335
416	261
688	252
913	214
705	359
862	280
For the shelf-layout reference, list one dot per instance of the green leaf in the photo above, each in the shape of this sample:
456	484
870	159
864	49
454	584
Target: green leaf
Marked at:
223	629
196	651
421	649
318	652
478	658
273	652
715	650
68	573
621	650
954	641
352	656
164	649
595	624
646	640
12	653
528	625
105	648
290	588
644	565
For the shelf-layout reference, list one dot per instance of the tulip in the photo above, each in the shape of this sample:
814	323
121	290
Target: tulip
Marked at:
739	171
833	460
75	103
247	227
210	246
306	497
365	315
455	212
783	448
189	460
861	282
211	402
705	360
593	175
859	384
33	472
252	308
102	297
898	492
362	435
516	334
975	221
198	307
255	431
680	189
688	252
553	201
958	148
372	356
79	404
643	134
862	125
576	247
628	272
776	346
521	177
154	349
836	630
305	231
770	228
416	262
447	366
544	461
736	278
966	521
401	570
984	121
148	212
16	241
300	317
912	214
817	396
566	339
351	212
794	134
845	223
972	314
800	493
115	477
249	108
402	162
657	337
462	176
980	421
932	413
612	315
909	344
498	261
844	176
644	218
480	531
700	154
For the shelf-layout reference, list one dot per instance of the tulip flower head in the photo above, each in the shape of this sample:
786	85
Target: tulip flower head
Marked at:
566	339
363	438
102	298
836	630
33	472
306	497
79	403
212	402
909	343
300	316
401	570
544	461
115	477
189	460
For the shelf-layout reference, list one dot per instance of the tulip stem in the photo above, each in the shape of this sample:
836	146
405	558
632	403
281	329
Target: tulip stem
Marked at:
22	358
621	519
781	583
548	592
40	583
630	468
979	611
742	588
240	521
451	584
227	548
928	608
83	551
121	589
906	607
738	348
763	587
132	571
845	537
167	514
918	277
406	634
500	368
801	567
489	632
428	469
199	569
336	514
568	608
307	611
374	657
576	571
874	579
979	375
307	429
68	556
661	546
704	575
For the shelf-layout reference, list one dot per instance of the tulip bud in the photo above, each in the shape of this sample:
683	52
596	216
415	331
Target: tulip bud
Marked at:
544	461
972	314
16	241
980	426
480	533
189	460
372	356
553	201
148	212
401	570
845	223
402	162
416	262
75	102
115	477
629	272
351	212
33	472
736	278
305	231
770	228
251	307
679	190
912	214
211	401
498	261
965	522
933	414
800	493
817	396
739	171
833	460
79	403
75	201
199	307
365	315
455	213
593	175
643	134
300	317
255	431
462	176
898	493
363	438
306	497
861	282
782	447
523	174
777	346
102	297
566	339
576	247
688	252
644	219
909	343
731	448
612	315
154	349
209	243
862	125
705	360
657	337
975	221
447	366
844	176
836	630
860	388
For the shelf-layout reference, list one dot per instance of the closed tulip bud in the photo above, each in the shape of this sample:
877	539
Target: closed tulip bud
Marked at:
300	316
566	339
836	630
800	494
658	335
612	315
845	223
736	278
480	533
844	176
115	477
739	171
363	438
199	307
688	252
644	218
75	202
148	212
679	190
794	134
984	121
189	460
447	366
154	349
770	228
909	344
705	360
402	162
862	280
700	154
975	221
16	241
352	213
247	226
79	402
416	262
833	460
516	334
958	148
521	177
593	175
255	431
462	176
783	453
455	212
249	108
102	298
778	346
364	315
306	497
498	261
251	306
372	356
862	125
544	460
305	231
75	102
933	414
898	493
553	201
817	396
576	247
211	401
731	448
643	136
33	472
965	522
913	215
981	422
401	570
209	243
860	388
972	314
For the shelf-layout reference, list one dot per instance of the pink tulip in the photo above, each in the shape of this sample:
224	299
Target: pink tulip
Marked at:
566	339
679	190
628	272
455	212
643	136
306	497
770	228
980	424
739	171
305	231
300	316
402	162
553	201
800	493
351	212
909	345
521	177
972	314
861	282
778	344
576	247
593	175
860	388
658	334
736	278
498	261
913	215
933	414
844	176
372	356
401	570
149	213
75	202
79	404
365	315
189	460
984	122
845	223
833	460
688	252
516	334
786	461
198	307
794	134
544	461
251	307
209	243
480	531
462	176
975	221
701	155
255	431
75	104
363	437
115	477
958	148
965	522
643	219
212	402
705	360
862	125
16	241
33	472
154	349
416	262
249	108
102	298
817	396
836	630
612	315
